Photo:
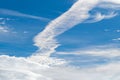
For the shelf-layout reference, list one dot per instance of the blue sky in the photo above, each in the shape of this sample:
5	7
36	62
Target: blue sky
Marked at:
80	38
12	43
23	29
23	20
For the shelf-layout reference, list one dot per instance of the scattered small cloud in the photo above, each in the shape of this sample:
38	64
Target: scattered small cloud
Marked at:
106	30
4	29
25	32
118	31
1	18
117	39
4	20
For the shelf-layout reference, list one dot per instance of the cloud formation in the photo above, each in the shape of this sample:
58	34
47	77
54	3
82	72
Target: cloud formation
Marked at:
109	51
75	15
46	41
13	68
18	68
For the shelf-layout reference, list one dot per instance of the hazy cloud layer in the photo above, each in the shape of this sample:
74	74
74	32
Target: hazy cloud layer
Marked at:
107	52
12	68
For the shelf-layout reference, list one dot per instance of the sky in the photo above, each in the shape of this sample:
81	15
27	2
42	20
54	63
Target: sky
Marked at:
79	37
23	22
24	28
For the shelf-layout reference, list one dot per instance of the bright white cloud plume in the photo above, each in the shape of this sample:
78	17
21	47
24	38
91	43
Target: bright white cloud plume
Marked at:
19	14
75	15
79	12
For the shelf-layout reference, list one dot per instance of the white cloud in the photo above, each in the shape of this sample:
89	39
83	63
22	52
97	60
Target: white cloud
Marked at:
46	41
110	52
19	14
75	15
105	72
46	60
103	51
110	4
4	29
13	68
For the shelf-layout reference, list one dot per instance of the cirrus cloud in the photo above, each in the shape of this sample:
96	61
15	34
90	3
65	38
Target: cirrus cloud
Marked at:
19	14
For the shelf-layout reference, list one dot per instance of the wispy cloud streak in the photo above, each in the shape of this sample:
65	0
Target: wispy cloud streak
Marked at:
19	14
99	17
